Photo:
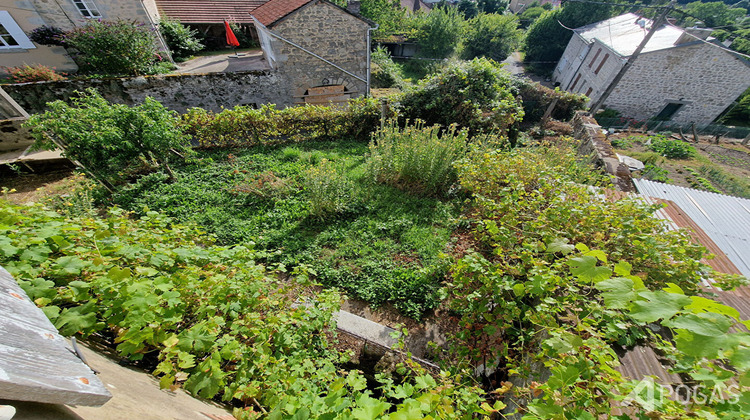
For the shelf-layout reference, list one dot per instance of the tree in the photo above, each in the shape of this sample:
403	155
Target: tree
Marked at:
474	94
530	15
713	14
111	141
180	38
388	14
547	38
439	32
492	6
493	36
468	8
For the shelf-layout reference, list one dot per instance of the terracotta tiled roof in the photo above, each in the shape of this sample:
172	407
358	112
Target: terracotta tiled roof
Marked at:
274	10
209	11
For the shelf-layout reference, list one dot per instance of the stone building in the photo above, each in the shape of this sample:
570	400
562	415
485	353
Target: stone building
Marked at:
680	76
322	49
18	18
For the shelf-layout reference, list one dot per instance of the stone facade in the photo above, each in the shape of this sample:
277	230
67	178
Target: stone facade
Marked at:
330	32
177	92
587	68
30	14
701	77
679	77
24	14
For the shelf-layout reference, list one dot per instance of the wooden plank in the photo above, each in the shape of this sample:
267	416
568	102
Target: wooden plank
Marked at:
36	362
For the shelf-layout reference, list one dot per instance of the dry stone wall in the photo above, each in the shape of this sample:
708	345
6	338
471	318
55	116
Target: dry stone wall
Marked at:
594	143
177	92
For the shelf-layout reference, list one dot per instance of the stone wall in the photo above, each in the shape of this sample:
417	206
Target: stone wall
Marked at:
177	92
331	33
594	144
702	76
65	15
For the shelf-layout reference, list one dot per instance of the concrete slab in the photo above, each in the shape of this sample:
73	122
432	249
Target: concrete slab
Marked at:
224	63
135	395
362	327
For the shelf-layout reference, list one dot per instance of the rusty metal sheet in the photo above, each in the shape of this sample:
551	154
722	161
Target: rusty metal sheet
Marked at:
37	363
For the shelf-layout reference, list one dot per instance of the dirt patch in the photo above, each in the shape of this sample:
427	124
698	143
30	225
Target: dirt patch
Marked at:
723	167
33	186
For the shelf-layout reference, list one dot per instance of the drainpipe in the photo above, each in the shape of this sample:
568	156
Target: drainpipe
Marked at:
369	49
155	27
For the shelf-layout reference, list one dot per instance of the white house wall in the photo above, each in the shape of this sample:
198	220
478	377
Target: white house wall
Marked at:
703	77
570	60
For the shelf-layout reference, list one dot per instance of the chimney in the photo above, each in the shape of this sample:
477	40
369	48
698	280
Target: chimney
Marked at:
353	7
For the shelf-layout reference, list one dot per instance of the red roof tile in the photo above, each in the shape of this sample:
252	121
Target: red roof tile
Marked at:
274	10
209	11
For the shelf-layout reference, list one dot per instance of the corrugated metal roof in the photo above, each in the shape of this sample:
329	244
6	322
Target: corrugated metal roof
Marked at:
725	219
209	11
625	32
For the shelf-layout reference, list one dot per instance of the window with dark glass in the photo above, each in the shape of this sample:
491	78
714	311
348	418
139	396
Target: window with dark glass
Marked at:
87	8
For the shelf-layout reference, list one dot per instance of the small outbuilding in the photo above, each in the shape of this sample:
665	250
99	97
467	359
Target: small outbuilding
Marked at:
321	48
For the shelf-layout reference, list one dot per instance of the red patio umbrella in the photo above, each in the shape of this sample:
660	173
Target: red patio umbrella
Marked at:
231	39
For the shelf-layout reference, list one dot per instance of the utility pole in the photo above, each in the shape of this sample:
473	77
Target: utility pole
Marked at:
654	26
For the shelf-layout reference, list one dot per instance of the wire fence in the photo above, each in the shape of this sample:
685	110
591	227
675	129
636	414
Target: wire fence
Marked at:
724	131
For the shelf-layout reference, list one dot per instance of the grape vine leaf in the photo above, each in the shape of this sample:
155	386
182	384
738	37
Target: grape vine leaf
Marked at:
369	408
658	305
560	245
701	304
584	267
618	292
704	324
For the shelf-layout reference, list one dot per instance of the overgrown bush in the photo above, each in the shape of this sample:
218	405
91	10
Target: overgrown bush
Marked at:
417	159
113	47
48	35
493	36
670	148
328	190
439	33
180	39
385	73
35	73
112	141
245	126
475	94
537	98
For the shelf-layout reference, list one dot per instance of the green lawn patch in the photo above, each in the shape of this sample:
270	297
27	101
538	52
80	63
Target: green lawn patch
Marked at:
380	244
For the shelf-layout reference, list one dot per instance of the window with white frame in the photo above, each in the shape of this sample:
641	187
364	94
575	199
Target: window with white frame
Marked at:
11	35
87	8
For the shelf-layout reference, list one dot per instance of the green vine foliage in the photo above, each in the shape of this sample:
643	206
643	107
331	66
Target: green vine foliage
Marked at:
246	127
561	275
210	318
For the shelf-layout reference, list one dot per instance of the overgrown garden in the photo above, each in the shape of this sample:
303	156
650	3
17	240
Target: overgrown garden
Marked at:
207	265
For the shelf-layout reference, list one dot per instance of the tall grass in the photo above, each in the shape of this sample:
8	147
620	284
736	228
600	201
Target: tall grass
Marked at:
416	159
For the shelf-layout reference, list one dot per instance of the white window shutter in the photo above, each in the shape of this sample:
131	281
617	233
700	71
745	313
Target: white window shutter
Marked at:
15	31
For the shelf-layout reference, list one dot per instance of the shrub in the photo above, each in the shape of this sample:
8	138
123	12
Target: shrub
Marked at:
114	47
48	35
475	94
244	126
671	149
493	36
327	189
416	159
439	32
35	73
385	73
112	141
180	38
536	98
